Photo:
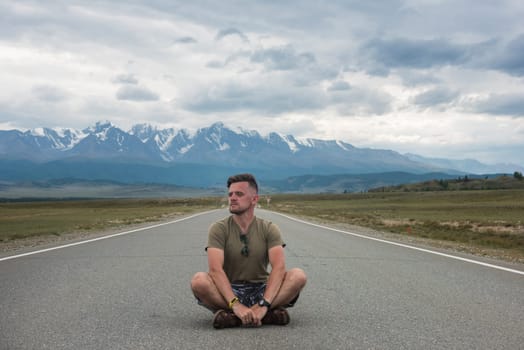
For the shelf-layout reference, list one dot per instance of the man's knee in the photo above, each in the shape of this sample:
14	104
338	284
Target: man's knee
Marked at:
200	282
297	277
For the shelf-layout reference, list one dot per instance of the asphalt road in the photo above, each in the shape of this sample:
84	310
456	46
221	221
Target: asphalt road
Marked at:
132	292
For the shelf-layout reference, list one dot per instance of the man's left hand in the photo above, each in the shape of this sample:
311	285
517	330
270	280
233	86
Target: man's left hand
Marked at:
258	314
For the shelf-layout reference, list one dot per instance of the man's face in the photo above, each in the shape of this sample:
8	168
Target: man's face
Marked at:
241	197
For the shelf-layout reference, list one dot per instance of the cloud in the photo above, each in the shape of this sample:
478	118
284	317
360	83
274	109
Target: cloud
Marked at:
500	104
277	65
49	93
231	32
261	98
135	93
186	40
125	79
282	58
417	78
497	54
413	53
215	64
511	59
435	97
339	85
362	102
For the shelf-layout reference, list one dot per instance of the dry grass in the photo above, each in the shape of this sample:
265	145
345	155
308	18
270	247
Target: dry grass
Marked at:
48	218
481	220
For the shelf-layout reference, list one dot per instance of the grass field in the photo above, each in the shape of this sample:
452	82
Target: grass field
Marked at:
44	218
480	219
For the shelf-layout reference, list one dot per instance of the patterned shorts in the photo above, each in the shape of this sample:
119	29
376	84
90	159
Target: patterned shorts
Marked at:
249	294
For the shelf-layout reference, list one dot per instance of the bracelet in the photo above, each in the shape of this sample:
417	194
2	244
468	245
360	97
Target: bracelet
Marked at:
232	302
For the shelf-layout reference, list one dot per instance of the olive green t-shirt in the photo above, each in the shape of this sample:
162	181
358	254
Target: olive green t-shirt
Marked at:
261	236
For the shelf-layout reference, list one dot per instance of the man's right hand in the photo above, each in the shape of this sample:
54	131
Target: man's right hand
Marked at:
245	314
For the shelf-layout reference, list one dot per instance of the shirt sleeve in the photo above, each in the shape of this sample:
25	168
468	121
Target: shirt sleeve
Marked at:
274	236
216	236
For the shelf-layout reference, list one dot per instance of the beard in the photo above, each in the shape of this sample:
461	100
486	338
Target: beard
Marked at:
238	211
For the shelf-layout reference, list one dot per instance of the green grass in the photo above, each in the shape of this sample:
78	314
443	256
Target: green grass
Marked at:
483	219
30	219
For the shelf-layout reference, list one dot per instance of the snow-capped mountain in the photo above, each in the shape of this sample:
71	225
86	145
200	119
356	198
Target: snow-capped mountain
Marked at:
38	144
208	153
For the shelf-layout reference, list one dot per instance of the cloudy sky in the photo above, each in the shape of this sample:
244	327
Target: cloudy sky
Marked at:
435	78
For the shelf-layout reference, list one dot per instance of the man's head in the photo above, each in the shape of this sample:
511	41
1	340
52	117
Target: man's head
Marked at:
250	179
242	193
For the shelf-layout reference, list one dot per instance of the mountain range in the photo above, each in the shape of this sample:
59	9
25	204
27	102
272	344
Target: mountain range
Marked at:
147	154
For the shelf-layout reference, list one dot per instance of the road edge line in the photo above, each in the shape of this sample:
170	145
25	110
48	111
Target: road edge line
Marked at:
103	237
507	269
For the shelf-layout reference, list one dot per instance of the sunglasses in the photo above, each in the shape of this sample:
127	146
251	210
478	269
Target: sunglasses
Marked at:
245	249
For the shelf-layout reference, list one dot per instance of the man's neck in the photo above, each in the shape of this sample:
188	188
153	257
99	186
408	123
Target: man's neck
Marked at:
244	220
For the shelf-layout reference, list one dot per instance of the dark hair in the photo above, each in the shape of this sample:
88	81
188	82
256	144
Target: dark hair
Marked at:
243	178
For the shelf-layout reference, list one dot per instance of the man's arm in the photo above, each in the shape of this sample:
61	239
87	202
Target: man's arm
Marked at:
278	271
215	258
274	282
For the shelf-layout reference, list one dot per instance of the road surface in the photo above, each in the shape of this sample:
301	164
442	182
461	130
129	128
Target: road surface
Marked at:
131	291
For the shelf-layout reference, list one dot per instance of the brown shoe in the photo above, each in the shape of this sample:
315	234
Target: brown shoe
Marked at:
278	316
225	319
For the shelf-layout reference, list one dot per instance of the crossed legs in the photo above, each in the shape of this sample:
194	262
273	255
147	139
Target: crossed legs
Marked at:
204	289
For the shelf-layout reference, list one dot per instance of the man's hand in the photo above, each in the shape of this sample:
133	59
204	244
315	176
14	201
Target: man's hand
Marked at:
259	312
246	315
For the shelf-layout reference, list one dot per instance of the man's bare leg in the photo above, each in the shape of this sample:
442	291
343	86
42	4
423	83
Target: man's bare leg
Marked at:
205	290
294	280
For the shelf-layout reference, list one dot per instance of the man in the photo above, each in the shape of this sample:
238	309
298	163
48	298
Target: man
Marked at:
238	287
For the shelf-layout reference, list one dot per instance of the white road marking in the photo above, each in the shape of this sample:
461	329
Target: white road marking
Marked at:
407	246
101	238
286	216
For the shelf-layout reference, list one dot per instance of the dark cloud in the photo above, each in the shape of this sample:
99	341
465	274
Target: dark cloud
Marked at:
418	54
511	58
185	40
261	98
501	104
282	58
416	78
135	93
231	31
379	56
434	97
339	85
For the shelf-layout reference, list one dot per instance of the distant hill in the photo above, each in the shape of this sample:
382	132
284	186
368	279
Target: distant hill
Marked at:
468	166
493	182
381	182
85	189
348	182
